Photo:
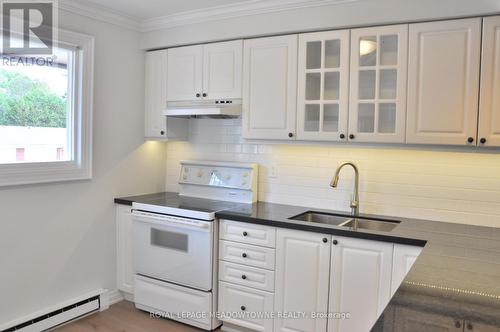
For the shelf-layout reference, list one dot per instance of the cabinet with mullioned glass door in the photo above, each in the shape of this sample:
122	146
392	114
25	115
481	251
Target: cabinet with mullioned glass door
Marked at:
323	85
378	80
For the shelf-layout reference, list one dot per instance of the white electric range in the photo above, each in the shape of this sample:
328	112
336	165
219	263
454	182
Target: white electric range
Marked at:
174	241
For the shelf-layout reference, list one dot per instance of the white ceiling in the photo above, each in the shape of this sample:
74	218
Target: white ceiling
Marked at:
146	9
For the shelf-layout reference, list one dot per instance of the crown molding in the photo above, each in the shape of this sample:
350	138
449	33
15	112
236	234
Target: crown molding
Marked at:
100	13
246	8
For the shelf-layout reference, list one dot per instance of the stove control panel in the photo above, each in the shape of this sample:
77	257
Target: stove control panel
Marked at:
219	180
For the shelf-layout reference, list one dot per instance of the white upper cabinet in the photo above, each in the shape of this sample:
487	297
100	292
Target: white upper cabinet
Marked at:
185	73
360	282
210	71
302	276
443	82
489	114
270	87
156	125
323	86
222	70
155	94
378	84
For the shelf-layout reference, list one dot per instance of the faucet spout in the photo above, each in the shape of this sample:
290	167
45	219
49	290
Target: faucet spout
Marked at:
335	181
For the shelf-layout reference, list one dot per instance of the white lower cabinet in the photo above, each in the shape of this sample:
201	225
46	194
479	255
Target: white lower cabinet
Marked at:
124	271
302	276
310	282
403	259
245	307
360	282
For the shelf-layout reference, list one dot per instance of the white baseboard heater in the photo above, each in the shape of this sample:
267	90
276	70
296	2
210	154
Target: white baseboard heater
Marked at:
58	317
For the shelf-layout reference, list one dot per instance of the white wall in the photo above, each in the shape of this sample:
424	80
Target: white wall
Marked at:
57	241
454	186
350	13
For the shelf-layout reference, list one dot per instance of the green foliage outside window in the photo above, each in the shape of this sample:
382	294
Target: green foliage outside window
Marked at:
29	103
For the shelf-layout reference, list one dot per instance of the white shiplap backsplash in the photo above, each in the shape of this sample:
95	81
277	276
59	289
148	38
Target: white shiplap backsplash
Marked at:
453	186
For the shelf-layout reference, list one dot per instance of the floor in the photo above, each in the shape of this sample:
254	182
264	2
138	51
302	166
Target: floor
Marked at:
124	317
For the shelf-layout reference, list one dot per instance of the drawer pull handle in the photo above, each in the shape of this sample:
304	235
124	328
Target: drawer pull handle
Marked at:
244	255
245	233
243	277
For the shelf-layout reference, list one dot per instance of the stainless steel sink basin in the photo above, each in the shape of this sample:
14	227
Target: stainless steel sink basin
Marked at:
322	218
347	221
370	224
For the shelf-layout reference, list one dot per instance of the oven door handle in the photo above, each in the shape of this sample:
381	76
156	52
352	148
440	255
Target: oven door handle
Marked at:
160	220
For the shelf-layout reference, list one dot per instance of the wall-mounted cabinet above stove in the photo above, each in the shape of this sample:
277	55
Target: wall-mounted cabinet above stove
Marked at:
209	71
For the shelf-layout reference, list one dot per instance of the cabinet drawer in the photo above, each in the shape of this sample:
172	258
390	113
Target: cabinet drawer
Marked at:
247	276
248	233
245	307
247	254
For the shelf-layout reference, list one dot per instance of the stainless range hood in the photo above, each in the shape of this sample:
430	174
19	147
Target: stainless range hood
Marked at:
218	109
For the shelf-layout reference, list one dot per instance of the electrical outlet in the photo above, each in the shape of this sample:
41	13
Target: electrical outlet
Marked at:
273	171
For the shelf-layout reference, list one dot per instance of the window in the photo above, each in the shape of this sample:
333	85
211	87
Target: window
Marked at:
46	112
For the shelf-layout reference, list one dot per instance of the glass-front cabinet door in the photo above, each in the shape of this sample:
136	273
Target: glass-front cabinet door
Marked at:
323	86
377	107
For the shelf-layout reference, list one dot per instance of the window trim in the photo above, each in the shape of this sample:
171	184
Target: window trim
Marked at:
80	167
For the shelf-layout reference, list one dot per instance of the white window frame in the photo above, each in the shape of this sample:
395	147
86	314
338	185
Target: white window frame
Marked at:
80	122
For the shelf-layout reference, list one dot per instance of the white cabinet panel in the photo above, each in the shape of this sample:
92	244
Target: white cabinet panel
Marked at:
443	82
245	306
270	87
184	73
379	63
489	109
155	94
302	276
248	233
360	282
124	271
403	259
323	86
222	69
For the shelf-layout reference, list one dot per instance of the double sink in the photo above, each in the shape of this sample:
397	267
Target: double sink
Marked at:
351	222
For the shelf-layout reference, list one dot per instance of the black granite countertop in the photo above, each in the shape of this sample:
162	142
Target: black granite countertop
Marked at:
456	276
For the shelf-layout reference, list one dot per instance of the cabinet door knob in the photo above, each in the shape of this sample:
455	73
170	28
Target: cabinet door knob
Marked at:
470	139
243	277
482	140
244	255
351	136
325	240
290	135
470	326
243	308
335	242
162	132
204	94
245	233
458	324
342	136
198	95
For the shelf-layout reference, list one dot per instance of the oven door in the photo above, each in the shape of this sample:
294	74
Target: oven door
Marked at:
174	249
